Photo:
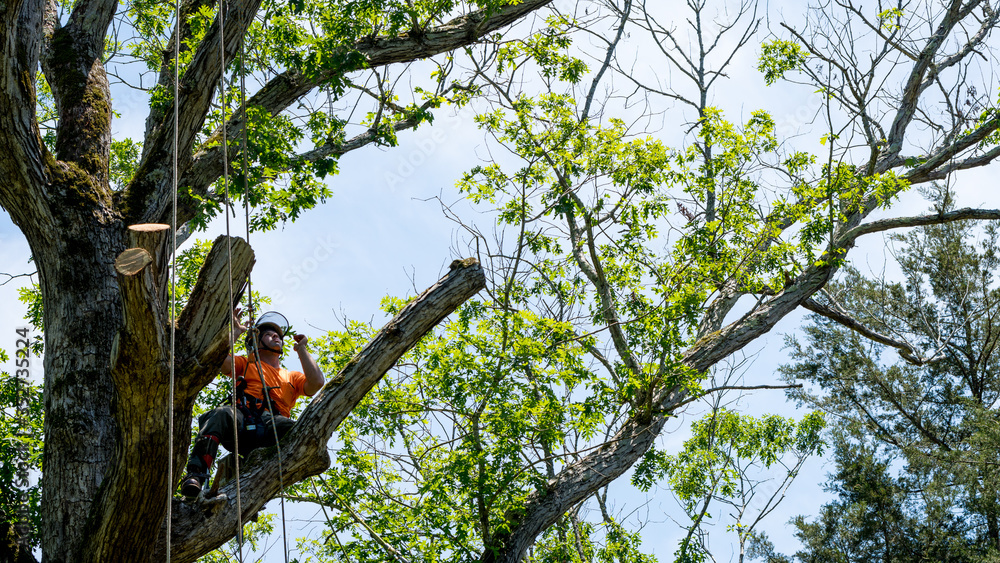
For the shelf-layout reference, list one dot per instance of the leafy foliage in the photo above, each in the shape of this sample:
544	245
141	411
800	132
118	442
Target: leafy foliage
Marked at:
729	460
447	435
778	57
20	452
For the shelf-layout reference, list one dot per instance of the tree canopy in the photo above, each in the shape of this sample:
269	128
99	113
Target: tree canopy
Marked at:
621	262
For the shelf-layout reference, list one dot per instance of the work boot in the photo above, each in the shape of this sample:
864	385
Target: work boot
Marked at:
199	464
192	485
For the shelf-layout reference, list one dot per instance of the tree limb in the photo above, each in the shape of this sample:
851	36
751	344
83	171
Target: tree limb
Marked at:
196	530
289	86
906	350
72	63
140	369
148	198
22	156
967	213
915	83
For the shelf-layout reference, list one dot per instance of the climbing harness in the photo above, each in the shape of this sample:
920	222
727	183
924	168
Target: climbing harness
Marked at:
263	383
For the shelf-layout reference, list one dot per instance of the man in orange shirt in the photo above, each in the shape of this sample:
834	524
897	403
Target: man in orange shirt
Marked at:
259	416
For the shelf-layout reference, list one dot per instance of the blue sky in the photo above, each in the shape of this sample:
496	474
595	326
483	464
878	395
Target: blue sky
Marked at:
383	233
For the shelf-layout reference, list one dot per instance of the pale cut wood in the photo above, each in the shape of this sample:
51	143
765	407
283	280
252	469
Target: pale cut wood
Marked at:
153	237
148	227
130	262
140	370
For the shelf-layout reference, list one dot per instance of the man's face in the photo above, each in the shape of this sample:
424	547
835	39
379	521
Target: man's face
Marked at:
270	339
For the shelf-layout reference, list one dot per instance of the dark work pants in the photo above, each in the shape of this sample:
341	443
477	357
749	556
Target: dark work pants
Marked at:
216	427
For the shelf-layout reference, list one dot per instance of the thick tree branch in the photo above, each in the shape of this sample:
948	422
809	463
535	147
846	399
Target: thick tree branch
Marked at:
197	529
22	155
572	485
140	367
203	324
149	197
942	157
915	83
607	463
72	63
288	87
611	460
972	162
89	22
964	214
162	115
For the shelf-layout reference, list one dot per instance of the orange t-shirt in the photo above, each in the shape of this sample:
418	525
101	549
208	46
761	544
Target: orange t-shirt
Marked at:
292	383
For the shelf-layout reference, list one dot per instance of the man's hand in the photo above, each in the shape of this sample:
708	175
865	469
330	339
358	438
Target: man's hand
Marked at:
238	327
301	343
314	377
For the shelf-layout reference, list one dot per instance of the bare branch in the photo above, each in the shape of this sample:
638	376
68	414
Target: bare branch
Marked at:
835	313
965	214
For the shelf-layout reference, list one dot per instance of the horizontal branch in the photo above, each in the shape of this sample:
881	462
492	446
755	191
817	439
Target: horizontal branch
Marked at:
706	392
906	351
945	155
881	225
945	170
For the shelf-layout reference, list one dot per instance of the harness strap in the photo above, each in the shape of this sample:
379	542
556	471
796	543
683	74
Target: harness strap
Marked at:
248	404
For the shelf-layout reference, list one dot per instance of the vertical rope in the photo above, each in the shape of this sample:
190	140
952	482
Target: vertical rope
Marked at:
277	442
173	282
256	353
229	265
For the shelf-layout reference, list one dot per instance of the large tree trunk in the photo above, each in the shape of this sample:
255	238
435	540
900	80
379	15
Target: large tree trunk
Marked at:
83	309
106	383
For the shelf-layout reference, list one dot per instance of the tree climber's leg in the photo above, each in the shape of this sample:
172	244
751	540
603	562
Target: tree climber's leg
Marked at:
281	423
216	426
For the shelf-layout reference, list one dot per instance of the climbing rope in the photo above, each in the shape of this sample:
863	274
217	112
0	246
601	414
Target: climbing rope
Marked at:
256	353
250	303
277	442
173	284
229	265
